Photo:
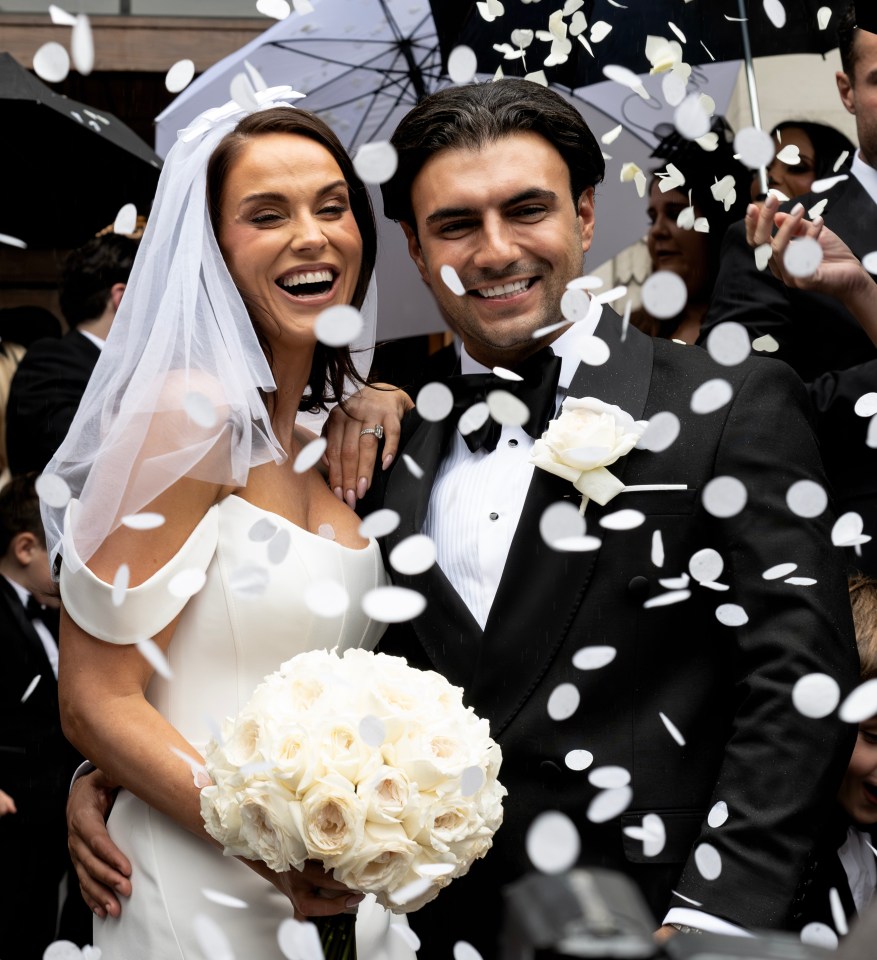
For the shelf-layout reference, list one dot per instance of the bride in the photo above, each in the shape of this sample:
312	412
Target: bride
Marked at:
192	533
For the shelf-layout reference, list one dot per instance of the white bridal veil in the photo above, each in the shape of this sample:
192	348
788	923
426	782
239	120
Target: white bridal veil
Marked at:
176	391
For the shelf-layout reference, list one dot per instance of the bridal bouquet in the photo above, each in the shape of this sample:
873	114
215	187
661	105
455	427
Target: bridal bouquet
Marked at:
363	763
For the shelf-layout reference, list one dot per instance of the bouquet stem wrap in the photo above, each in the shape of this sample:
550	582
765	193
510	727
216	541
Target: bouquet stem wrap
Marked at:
338	936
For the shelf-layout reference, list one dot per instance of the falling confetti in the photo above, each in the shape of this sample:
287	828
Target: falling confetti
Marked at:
200	409
154	656
579	759
379	524
413	555
664	294
338	326
731	615
434	402
806	498
179	76
326	598
51	62
393	604
563	701
552	842
861	704
662	430
376	162
724	496
593	658
711	396
708	861
309	455
718	814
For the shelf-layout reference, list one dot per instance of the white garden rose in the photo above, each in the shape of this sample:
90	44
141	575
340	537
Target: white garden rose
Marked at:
588	436
380	862
333	819
221	811
385	795
271	825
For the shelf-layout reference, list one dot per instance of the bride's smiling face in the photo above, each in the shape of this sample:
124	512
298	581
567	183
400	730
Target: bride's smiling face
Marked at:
288	234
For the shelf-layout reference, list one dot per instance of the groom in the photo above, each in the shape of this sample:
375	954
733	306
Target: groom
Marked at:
616	681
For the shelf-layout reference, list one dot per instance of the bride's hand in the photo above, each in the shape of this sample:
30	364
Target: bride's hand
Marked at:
350	454
103	870
314	892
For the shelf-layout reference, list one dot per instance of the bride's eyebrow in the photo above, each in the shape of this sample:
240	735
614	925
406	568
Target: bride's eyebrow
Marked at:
272	196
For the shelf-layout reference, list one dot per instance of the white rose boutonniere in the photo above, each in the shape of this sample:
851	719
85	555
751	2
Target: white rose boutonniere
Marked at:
587	437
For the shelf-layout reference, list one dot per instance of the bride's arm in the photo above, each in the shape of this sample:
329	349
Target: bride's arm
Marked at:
106	715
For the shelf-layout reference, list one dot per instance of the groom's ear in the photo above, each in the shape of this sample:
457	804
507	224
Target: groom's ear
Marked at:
415	252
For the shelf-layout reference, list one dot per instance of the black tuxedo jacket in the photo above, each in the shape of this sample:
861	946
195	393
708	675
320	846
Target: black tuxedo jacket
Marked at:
822	342
727	689
44	396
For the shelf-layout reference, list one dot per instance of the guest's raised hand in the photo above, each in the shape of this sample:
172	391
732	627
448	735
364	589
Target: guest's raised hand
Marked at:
103	870
7	804
353	433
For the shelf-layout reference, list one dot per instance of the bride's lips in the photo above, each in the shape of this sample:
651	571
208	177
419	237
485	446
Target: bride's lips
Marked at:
313	284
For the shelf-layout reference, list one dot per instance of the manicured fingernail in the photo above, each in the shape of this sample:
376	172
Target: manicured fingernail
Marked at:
354	900
350	498
818	221
388	459
339	493
798	208
361	487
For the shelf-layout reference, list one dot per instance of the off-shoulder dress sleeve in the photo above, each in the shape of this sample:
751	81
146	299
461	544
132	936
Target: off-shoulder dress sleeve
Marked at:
130	615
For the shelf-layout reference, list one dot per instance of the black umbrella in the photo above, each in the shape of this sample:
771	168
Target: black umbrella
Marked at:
709	33
68	167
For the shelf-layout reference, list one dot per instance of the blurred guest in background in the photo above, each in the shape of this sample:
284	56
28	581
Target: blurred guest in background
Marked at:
37	761
677	240
51	378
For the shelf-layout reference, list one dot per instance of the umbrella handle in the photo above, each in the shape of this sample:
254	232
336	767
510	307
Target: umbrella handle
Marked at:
750	85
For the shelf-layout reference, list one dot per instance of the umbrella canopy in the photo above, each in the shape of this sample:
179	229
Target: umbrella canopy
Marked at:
713	30
69	167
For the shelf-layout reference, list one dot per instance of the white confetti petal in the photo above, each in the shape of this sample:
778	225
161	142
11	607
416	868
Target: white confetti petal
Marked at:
666	599
728	343
724	496
609	777
662	430
393	604
143	521
187	582
379	524
309	455
609	804
62	950
276	9
612	135
82	45
200	409
563	701
451	280
507	409
763	252
579	759
224	899
262	530
154	656
52	490
326	598
823	16
708	861
575	304
672	729
61	17
120	584
847	530
657	553
718	814
298	939
819	935
372	731
732	615
211	938
326	531
690	118
806	498
406	935
376	162
30	688
552	842
790	155
471	781
627	78
755	147
593	658
779	571
622	520
11	241
837	912
338	326
242	91
278	547
179	76
711	396
462	64
803	257
413	466
126	219
610	296
250	581
706	565
800	581
673	87
869	261
815	695
413	555
594	351
434	401
866	405
765	344
861	704
653	834
561	520
664	294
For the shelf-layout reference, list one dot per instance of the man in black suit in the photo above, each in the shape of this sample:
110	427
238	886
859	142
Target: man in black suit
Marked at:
818	337
610	655
53	374
36	761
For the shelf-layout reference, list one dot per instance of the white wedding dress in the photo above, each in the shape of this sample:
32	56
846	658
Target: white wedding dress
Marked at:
249	617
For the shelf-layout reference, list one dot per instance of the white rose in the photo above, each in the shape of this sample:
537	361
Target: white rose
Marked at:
588	436
221	813
380	861
271	825
333	819
385	795
342	751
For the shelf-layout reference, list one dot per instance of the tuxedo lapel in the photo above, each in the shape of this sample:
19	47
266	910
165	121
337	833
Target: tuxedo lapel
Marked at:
851	211
541	588
446	629
22	622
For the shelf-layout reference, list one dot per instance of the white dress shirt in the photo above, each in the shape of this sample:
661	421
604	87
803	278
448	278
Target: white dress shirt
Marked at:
43	632
865	174
477	498
857	857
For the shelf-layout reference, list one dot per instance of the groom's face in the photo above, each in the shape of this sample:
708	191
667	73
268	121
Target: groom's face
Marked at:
503	218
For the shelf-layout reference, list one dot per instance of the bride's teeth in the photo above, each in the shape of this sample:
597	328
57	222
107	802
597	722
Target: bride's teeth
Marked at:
506	288
316	276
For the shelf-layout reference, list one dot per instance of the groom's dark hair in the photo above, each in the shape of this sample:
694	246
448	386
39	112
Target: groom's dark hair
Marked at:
476	114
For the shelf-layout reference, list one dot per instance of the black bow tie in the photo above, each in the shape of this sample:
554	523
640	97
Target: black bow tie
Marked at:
537	390
36	611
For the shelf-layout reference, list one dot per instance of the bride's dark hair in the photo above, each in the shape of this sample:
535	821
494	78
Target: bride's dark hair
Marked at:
331	365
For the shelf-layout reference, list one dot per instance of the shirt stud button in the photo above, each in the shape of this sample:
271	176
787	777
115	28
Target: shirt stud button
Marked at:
494	516
513	442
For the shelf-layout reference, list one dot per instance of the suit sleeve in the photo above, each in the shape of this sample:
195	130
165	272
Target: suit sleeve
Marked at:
780	768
